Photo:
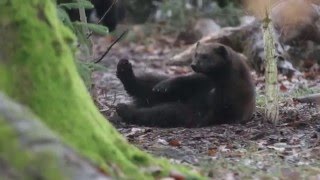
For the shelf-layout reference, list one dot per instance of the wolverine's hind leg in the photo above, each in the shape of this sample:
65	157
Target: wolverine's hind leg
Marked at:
164	115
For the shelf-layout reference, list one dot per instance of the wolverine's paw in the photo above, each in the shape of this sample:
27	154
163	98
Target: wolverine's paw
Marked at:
126	112
124	69
163	87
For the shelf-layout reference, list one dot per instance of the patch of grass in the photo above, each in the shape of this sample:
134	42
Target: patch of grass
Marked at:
302	91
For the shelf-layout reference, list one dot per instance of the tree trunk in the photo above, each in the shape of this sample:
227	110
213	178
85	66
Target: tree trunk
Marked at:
271	73
37	70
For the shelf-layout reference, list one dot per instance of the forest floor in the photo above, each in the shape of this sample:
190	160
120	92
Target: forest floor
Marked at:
290	150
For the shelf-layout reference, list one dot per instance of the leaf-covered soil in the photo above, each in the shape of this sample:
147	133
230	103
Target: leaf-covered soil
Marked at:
290	150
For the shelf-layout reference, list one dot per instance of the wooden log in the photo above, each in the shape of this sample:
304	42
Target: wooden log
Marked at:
235	37
312	98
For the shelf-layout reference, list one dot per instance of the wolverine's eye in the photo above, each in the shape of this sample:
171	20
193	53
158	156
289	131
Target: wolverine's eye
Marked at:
203	63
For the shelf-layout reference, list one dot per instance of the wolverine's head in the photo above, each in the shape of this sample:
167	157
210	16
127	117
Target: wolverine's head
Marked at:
210	58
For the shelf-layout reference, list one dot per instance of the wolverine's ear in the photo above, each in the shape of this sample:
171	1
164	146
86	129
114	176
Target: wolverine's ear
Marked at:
197	45
221	50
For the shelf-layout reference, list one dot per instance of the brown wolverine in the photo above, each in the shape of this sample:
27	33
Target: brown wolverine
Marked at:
219	91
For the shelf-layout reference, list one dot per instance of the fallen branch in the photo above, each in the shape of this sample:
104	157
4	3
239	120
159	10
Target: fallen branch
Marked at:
230	36
313	98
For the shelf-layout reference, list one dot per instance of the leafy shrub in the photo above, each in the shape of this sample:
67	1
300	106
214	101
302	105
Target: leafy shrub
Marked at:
86	67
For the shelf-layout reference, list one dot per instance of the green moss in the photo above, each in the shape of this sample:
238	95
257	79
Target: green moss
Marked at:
46	80
23	164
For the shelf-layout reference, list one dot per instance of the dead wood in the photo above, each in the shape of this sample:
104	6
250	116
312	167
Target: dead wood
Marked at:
313	98
235	37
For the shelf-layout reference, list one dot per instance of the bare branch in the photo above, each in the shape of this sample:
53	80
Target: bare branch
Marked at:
104	15
313	98
109	48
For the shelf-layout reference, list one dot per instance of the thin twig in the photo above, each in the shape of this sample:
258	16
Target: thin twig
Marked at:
104	15
109	48
114	98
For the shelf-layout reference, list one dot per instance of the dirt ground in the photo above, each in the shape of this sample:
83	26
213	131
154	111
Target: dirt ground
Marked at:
257	149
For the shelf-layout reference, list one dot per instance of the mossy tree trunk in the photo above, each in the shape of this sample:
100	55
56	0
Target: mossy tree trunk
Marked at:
37	70
271	73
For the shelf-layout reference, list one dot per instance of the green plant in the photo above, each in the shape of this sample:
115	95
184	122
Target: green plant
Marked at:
174	12
180	15
226	16
86	67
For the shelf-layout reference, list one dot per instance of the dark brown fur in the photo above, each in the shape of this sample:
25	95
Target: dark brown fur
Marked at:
219	91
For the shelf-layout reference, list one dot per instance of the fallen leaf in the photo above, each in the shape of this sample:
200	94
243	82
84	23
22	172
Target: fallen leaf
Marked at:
212	152
177	175
175	142
283	88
